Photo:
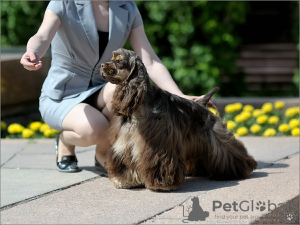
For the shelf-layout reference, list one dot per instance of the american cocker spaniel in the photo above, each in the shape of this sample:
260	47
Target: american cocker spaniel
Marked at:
158	138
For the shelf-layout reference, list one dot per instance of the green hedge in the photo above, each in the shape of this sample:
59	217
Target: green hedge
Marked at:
20	20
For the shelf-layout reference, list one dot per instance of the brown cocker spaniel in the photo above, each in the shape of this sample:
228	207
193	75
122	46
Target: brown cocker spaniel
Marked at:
158	138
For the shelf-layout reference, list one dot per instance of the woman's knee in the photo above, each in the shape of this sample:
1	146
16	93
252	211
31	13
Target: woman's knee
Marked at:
88	123
92	134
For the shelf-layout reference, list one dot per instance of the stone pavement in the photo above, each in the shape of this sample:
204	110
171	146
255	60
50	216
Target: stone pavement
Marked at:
34	192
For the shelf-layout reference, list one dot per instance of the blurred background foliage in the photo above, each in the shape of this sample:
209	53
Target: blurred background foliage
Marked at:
20	20
198	41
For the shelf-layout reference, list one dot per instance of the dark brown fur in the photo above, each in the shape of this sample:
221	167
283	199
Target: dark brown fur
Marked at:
158	138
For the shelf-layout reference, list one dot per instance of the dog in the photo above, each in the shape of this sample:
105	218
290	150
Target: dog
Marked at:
159	138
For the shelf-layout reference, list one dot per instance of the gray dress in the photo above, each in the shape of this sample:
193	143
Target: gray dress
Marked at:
74	74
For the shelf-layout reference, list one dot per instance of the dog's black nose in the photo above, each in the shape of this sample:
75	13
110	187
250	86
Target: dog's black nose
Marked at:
103	65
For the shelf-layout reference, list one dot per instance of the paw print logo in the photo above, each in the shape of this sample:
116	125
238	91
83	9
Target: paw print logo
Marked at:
261	206
289	217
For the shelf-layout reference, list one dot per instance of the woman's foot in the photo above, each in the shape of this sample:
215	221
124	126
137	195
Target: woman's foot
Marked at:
67	163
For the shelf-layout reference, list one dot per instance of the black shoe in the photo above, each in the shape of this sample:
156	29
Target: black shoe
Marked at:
100	168
68	163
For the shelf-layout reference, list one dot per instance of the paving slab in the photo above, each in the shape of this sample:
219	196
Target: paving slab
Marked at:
9	153
22	184
270	149
34	192
39	154
28	169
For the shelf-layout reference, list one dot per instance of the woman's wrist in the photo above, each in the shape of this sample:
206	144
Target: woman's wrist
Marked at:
32	50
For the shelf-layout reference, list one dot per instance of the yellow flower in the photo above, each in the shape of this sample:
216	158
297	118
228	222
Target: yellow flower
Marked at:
261	119
295	131
255	128
230	108
294	123
35	126
3	125
242	131
246	115
43	127
273	120
15	128
267	107
257	112
27	133
291	112
284	128
248	108
214	111
238	106
269	132
49	132
279	105
239	118
236	135
231	125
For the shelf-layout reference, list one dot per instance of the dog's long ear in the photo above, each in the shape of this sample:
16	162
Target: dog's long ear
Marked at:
132	65
128	97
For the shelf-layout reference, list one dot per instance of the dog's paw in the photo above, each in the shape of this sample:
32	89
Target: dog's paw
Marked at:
122	184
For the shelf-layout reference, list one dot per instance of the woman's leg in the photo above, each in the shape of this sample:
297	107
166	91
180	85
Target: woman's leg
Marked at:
87	124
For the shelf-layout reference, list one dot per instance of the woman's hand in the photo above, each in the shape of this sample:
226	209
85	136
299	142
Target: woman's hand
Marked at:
30	60
40	42
198	98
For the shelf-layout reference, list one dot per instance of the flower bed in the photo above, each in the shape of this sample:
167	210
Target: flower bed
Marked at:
243	120
35	129
269	120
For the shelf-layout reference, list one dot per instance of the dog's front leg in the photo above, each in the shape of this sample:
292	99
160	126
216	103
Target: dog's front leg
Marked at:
121	170
163	169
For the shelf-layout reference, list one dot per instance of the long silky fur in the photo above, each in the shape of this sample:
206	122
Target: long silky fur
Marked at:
159	138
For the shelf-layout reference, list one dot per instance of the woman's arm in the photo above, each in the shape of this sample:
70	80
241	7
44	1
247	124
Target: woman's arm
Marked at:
38	44
156	70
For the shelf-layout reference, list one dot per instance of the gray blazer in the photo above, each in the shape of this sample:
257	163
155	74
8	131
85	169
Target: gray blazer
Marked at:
75	47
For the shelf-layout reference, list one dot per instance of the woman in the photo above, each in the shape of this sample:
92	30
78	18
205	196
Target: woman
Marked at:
74	98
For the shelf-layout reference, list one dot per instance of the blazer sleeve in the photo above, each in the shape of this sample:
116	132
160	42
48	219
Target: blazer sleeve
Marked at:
58	7
137	18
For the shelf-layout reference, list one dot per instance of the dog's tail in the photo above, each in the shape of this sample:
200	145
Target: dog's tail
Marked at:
208	96
229	158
